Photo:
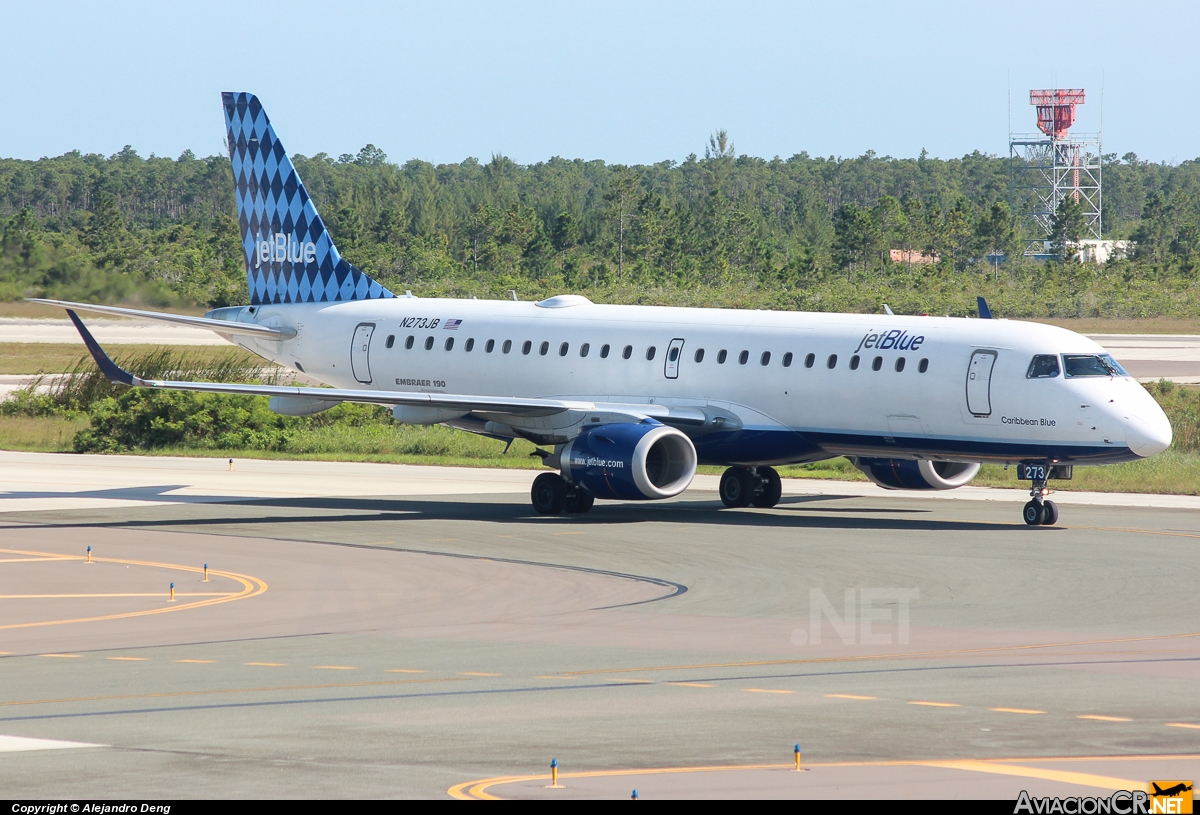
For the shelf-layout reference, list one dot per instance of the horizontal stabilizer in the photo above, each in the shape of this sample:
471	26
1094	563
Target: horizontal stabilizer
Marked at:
220	326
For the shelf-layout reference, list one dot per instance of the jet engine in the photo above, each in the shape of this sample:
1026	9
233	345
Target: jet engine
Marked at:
630	460
904	474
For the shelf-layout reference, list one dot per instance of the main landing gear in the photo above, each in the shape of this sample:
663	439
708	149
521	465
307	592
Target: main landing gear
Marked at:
551	494
743	486
1040	511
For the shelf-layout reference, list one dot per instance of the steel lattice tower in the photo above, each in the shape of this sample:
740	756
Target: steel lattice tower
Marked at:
1045	168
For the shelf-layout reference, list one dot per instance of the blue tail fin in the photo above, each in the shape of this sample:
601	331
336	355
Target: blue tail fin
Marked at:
290	257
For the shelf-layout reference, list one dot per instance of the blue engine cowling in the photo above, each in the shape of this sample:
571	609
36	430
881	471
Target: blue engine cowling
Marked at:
630	460
904	474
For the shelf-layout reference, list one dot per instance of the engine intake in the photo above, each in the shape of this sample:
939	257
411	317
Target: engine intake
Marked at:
630	460
904	474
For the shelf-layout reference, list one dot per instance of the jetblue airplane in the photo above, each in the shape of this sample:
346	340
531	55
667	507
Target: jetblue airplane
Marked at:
630	399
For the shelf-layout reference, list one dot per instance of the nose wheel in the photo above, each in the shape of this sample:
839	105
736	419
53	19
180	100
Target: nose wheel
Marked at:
1040	511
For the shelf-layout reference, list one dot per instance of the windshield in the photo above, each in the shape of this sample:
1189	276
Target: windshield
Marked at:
1092	365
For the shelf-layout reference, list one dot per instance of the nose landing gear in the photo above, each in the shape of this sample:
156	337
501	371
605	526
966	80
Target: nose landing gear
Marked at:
742	486
1040	511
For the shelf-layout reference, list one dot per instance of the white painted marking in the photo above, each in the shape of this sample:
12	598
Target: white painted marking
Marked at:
22	744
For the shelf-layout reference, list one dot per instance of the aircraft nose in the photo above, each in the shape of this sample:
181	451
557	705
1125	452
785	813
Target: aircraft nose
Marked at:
1148	437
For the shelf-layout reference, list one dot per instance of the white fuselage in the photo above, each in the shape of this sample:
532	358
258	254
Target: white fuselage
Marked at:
970	399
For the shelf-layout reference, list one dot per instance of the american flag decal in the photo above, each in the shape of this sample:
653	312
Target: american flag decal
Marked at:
452	325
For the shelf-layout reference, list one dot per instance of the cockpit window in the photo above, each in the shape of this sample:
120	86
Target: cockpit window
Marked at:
1092	365
1043	366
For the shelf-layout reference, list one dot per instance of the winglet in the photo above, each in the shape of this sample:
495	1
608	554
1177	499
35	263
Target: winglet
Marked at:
985	313
107	367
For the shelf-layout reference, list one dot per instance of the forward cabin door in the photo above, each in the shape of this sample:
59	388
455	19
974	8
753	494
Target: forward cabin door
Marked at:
674	357
360	350
979	383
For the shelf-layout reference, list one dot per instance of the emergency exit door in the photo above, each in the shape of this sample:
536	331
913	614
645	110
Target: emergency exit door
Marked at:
360	352
674	357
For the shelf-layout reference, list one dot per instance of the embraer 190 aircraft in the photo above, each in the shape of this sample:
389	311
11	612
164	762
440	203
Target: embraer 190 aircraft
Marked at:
631	399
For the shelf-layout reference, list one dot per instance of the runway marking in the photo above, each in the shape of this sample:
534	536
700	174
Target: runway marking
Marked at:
266	664
1021	710
1183	724
251	587
129	659
848	696
403	671
936	704
197	661
765	690
36	559
335	667
21	744
476	673
130	594
477	790
214	691
692	684
63	656
1104	718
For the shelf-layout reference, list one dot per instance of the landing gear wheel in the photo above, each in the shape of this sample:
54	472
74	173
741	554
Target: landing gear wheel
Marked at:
578	500
1051	517
1035	513
549	493
771	489
737	487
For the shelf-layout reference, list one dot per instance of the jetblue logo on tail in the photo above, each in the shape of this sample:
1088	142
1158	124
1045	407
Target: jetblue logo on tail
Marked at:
290	257
279	247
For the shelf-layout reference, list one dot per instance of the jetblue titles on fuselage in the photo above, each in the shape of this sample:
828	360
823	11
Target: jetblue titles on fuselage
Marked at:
896	339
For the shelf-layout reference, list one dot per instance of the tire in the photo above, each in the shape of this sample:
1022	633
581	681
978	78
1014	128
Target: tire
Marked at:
771	489
1051	517
1034	513
578	501
737	487
549	493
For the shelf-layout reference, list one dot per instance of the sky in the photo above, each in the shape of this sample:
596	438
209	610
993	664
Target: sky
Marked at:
628	82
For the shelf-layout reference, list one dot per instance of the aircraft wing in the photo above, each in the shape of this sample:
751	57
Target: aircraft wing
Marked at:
531	408
220	326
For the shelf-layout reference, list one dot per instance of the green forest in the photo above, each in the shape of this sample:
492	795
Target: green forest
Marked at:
721	229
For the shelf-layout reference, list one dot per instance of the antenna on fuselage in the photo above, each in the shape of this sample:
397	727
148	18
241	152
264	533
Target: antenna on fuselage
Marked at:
985	313
888	310
513	292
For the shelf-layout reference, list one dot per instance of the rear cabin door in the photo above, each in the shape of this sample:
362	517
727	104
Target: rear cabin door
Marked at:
674	357
360	352
979	383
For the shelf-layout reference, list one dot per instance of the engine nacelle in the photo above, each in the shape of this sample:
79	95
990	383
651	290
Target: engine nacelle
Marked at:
904	474
630	460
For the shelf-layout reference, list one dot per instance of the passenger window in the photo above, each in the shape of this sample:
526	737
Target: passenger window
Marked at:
449	343
722	355
924	366
899	364
408	343
545	346
628	352
507	346
742	357
391	340
831	363
583	349
787	359
650	352
526	346
562	349
674	354
1043	366
490	346
765	359
854	362
429	343
604	351
877	363
699	355
470	346
809	360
